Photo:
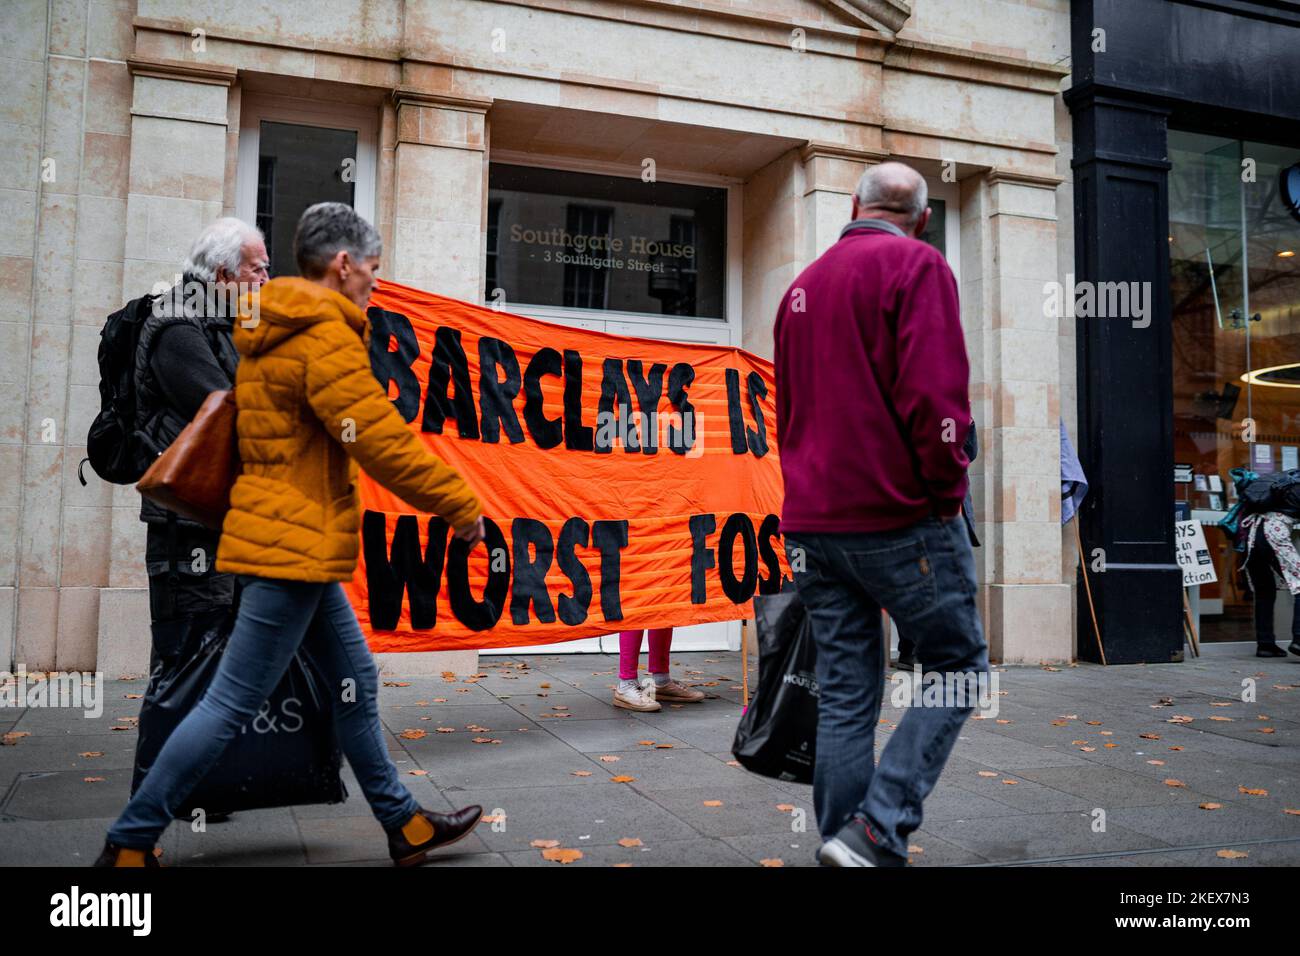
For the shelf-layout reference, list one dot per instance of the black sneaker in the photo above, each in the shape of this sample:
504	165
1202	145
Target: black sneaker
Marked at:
447	829
906	663
1270	650
1294	648
855	845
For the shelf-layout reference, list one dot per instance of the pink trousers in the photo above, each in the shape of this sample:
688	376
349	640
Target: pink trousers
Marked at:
629	649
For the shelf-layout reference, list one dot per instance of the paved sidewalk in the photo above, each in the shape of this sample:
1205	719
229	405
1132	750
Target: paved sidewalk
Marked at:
1025	787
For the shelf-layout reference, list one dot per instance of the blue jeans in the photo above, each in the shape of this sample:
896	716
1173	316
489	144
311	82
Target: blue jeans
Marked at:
924	576
275	617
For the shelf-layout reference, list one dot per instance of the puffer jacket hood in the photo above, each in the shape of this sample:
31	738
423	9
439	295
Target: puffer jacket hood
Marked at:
311	411
285	307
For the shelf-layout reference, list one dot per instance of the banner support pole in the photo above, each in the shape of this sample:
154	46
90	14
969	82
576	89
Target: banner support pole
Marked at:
1083	566
744	665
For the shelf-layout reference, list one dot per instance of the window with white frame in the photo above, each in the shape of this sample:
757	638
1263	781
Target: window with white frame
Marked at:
294	153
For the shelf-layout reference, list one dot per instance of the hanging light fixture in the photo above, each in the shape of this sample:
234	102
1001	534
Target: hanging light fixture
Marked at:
1275	376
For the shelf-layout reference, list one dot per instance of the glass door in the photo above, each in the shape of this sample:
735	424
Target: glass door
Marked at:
294	153
298	166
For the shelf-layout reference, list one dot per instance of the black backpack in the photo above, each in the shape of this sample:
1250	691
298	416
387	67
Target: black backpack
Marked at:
1278	491
113	446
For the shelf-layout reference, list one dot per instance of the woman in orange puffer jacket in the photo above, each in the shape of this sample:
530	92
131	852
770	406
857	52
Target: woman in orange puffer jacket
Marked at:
310	411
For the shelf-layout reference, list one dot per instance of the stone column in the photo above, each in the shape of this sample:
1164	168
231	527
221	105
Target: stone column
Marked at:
1008	254
439	211
831	173
794	209
179	125
62	196
772	246
43	105
440	189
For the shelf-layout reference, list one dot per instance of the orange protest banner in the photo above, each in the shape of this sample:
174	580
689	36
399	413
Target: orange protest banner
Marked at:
628	483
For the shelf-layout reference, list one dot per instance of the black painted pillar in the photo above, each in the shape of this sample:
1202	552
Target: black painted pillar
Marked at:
1121	215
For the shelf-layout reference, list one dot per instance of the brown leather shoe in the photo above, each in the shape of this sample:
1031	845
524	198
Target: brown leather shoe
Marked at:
123	856
410	844
676	691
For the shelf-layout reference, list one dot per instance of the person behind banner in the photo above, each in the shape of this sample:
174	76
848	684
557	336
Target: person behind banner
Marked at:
872	411
310	412
630	695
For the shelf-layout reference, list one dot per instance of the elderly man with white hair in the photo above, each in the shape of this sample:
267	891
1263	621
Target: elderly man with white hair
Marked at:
184	353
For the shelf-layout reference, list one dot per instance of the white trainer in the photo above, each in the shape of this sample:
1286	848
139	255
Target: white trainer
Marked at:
636	697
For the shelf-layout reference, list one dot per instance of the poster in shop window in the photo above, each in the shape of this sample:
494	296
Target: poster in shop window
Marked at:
1193	554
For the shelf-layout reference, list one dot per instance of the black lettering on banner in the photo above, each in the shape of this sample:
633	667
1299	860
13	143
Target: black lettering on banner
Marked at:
395	365
449	364
577	436
735	419
547	432
386	578
682	440
701	555
757	391
648	392
496	398
615	405
737	589
573	610
529	585
774	581
610	537
477	615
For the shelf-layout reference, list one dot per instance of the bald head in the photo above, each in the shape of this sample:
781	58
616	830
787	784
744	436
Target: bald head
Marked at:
893	192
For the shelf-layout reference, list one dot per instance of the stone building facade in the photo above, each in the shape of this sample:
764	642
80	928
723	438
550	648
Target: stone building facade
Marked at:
129	124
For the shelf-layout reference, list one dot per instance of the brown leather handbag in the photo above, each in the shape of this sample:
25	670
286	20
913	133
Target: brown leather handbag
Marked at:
193	477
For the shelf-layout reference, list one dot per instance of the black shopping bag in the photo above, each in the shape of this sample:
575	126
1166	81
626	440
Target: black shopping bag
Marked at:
777	736
286	755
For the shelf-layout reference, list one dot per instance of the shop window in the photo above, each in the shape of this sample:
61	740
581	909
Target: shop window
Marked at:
583	241
1235	297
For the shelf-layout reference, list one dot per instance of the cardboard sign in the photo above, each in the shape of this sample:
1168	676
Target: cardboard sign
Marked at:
1193	554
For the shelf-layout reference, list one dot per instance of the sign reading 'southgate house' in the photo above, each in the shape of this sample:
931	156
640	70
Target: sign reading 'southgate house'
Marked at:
638	253
575	240
627	483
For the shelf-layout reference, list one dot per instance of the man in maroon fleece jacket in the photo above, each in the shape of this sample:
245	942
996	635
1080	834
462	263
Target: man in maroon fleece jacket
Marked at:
872	408
872	414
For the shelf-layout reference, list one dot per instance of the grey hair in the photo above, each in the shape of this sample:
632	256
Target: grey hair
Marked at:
220	245
895	188
327	227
